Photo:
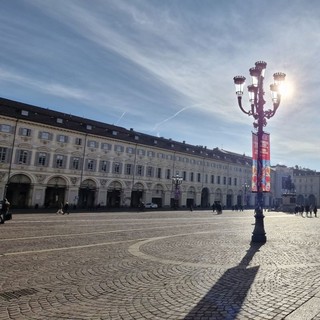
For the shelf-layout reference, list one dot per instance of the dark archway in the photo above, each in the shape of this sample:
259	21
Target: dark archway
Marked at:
205	201
55	192
18	191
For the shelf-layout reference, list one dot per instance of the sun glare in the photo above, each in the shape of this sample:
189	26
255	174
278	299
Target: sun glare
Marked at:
286	89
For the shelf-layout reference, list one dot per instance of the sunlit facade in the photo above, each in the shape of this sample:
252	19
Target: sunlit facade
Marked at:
49	157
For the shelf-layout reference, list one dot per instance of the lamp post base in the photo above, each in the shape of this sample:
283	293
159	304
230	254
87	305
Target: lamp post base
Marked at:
259	234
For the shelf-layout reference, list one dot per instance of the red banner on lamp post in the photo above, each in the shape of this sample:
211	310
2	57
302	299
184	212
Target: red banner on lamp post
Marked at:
265	177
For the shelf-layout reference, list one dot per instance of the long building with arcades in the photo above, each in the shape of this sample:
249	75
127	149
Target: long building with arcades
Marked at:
49	157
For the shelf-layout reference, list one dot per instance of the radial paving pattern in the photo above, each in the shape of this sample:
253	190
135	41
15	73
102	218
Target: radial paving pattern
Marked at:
159	265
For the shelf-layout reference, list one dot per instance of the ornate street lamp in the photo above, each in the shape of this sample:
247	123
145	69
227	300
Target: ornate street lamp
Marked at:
176	181
260	115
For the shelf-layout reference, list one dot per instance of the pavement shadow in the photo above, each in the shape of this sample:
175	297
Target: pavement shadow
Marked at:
224	300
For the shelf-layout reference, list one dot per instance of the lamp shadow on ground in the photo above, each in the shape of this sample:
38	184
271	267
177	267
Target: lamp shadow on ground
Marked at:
224	300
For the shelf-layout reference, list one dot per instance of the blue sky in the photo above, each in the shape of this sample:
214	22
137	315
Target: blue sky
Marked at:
166	67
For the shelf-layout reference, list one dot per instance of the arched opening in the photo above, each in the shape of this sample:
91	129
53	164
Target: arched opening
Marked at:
137	195
300	199
312	200
55	192
157	195
205	201
114	195
87	194
191	197
18	191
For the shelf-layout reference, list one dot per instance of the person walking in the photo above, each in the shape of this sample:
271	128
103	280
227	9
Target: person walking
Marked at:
66	208
4	215
315	211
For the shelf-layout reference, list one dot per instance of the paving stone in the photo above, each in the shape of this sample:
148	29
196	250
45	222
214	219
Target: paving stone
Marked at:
159	265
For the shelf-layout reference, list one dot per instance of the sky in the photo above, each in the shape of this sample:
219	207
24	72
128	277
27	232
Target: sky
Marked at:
166	67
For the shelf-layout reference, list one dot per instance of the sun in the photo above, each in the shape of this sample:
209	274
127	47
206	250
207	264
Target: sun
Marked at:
286	89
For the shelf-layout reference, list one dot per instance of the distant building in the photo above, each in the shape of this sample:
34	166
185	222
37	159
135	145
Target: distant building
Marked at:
49	157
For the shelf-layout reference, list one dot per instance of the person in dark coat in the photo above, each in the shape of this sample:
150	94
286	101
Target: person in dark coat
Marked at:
66	208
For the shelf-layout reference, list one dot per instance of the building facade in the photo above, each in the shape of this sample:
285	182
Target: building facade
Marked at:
48	158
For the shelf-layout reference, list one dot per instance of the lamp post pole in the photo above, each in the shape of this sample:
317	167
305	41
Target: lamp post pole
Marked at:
176	181
260	116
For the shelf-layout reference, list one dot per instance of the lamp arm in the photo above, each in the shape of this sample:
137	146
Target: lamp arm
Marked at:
240	106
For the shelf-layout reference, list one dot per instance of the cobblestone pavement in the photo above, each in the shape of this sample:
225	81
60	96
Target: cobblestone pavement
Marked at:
159	265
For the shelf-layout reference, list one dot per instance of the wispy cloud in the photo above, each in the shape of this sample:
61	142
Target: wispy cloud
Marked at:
149	59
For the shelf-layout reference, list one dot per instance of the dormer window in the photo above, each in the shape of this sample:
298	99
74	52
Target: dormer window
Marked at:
59	120
89	127
24	113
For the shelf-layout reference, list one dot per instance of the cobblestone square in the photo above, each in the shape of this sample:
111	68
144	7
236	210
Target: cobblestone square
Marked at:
159	265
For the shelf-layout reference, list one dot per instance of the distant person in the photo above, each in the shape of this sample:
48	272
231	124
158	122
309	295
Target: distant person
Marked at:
60	210
66	208
315	211
4	215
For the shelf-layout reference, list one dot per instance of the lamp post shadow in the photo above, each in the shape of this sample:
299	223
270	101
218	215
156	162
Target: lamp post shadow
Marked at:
225	299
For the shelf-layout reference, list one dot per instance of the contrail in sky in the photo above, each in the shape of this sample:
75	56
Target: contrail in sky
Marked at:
120	118
173	116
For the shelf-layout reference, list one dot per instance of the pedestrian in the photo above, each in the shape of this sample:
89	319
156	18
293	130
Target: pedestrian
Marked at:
213	207
191	207
4	215
219	208
315	211
60	210
66	208
307	209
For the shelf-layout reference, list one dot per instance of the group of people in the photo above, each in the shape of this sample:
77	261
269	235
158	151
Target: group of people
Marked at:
4	214
64	208
309	210
217	207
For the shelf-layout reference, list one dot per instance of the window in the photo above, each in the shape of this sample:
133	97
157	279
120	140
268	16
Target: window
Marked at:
128	168
59	120
114	133
116	167
141	152
235	181
159	173
129	150
59	161
42	159
118	148
104	166
105	146
224	180
75	163
62	138
89	127
139	170
5	128
78	141
45	135
149	171
92	144
3	154
25	132
150	154
184	175
191	176
90	165
23	157
212	179
24	112
229	181
199	177
168	175
219	180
